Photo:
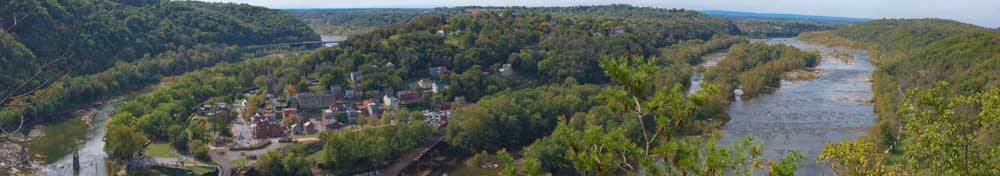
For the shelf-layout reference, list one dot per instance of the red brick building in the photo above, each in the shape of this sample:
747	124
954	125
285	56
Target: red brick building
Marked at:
267	126
408	97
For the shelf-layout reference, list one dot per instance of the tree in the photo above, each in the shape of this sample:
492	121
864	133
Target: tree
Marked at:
124	142
855	157
507	162
942	135
281	163
785	167
200	151
474	132
668	107
532	167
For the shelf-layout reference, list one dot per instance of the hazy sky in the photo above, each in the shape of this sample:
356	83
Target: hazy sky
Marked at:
980	12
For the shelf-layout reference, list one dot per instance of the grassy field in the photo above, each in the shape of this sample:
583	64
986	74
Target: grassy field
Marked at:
305	136
315	157
161	150
202	170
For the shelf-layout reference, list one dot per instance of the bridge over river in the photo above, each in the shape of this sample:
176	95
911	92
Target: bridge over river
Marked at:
413	156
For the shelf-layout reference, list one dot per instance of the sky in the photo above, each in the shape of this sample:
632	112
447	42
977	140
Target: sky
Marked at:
980	12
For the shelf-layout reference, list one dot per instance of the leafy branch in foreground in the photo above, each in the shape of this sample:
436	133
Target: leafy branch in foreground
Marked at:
943	135
638	133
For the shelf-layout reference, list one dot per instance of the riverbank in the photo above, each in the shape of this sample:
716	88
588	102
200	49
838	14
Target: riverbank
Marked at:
51	145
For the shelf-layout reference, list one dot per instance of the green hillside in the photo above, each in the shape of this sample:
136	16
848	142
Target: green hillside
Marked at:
93	35
99	48
927	69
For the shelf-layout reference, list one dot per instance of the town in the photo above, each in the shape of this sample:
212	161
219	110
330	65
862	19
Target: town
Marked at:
275	88
264	121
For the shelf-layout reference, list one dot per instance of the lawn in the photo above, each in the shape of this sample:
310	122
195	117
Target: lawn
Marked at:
161	150
305	136
202	169
315	157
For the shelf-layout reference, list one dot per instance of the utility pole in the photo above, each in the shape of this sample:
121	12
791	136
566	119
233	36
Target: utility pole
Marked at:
76	161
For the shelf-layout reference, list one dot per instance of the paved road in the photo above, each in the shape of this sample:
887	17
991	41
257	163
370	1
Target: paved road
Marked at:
219	158
241	130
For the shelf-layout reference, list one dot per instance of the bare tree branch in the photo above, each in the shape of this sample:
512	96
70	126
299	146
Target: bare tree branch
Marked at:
11	28
11	133
9	95
14	93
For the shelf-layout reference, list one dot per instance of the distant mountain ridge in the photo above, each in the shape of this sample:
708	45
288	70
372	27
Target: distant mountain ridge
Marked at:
351	9
782	16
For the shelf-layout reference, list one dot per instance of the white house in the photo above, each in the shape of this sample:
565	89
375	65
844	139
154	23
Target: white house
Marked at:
426	83
436	88
506	70
390	102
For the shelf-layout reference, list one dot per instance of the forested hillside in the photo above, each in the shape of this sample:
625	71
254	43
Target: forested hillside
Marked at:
93	35
345	22
67	53
356	21
541	46
764	28
559	62
915	58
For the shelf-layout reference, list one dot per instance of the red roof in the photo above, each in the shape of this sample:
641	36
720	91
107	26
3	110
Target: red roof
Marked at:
408	96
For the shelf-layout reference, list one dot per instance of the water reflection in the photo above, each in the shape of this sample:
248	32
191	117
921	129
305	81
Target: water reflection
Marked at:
91	152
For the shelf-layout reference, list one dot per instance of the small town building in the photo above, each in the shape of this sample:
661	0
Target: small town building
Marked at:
295	129
266	126
438	118
471	10
329	115
437	87
348	110
614	31
355	77
211	110
289	112
376	93
313	100
408	97
293	114
275	105
309	128
506	70
336	89
218	141
434	71
349	94
443	106
390	102
372	107
425	83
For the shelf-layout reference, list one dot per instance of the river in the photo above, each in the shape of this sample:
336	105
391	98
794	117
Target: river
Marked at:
805	115
801	116
332	38
54	150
